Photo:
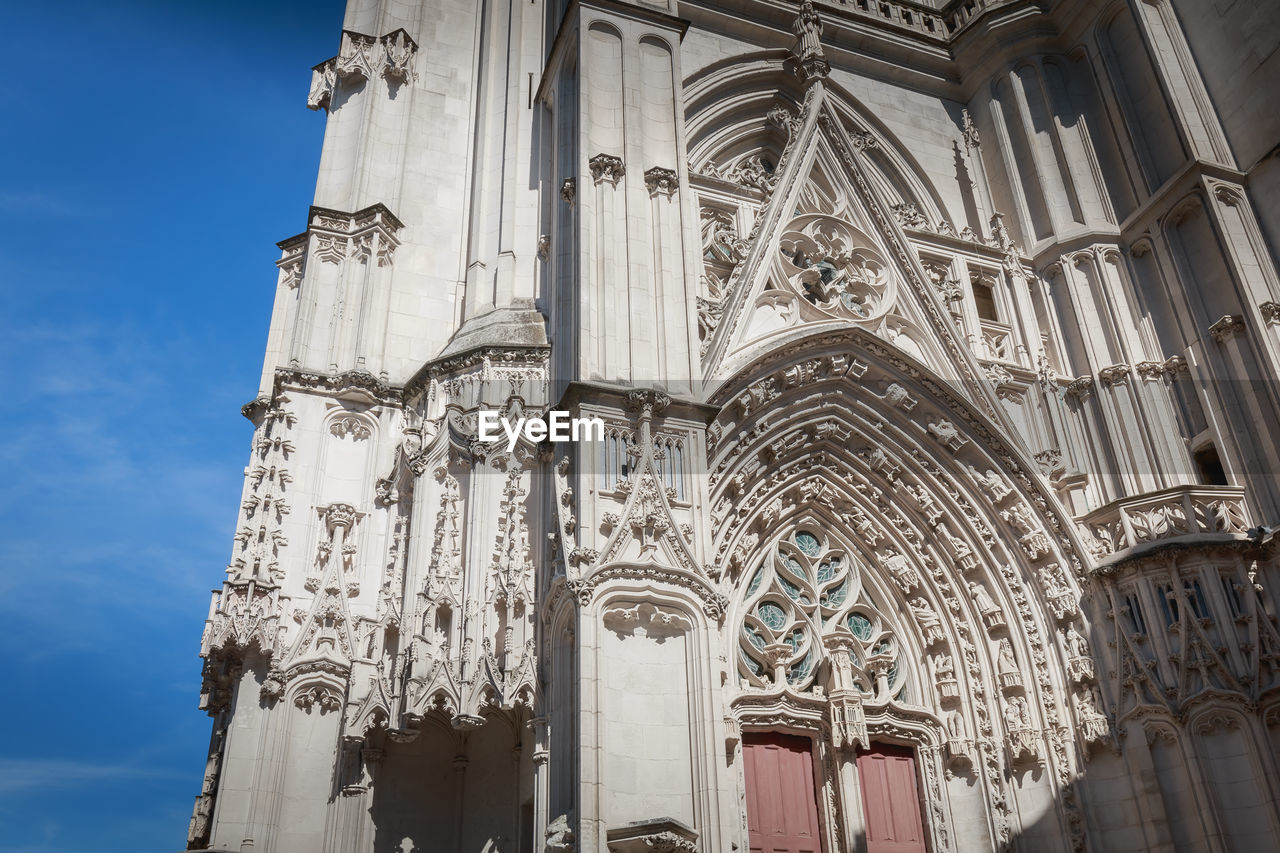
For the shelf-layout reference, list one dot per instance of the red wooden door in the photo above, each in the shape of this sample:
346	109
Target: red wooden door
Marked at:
782	811
890	800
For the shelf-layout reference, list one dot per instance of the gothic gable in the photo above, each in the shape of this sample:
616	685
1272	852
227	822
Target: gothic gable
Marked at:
825	249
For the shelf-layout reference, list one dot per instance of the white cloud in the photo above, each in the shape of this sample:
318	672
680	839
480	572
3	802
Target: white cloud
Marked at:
28	774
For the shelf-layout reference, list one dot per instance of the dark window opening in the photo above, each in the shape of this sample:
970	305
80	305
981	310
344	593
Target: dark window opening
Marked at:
1136	622
1232	595
984	297
1168	603
1195	598
1209	467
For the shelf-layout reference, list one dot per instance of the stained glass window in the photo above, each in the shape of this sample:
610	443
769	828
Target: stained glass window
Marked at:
807	587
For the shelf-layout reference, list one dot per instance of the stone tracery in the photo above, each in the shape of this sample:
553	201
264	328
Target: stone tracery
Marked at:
832	266
806	589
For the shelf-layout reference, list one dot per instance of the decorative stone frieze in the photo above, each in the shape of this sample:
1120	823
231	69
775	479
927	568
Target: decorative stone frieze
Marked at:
1168	514
334	236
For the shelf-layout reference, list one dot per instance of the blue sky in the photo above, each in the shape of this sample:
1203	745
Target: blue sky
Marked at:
151	156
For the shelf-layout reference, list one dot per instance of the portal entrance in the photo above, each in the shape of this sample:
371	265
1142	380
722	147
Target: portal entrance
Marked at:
891	799
782	810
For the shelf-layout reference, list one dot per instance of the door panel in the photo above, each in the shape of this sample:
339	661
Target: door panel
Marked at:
782	811
891	800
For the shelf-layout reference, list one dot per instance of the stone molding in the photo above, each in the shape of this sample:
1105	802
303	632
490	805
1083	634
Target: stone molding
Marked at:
656	835
360	58
1227	327
606	167
1183	511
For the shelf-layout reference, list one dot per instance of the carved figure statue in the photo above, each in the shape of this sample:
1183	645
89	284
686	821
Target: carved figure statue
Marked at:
981	598
808	30
955	725
1076	645
1007	662
930	624
560	837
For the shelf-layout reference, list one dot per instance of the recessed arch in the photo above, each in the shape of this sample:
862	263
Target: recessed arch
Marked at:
966	542
726	109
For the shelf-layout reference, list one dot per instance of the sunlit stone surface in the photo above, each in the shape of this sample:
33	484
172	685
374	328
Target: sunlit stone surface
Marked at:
936	348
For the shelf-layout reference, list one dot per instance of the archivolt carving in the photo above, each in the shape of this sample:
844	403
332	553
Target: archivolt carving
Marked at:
811	431
1211	721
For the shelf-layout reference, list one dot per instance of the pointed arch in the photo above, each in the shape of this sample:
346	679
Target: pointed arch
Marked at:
729	101
820	144
973	554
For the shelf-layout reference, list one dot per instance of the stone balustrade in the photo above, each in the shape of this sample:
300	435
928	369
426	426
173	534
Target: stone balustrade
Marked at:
913	16
1170	514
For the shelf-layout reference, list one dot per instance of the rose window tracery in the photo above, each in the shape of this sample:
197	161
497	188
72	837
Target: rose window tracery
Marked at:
832	266
806	588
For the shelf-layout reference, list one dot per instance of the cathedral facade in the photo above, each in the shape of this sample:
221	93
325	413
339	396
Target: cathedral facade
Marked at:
929	353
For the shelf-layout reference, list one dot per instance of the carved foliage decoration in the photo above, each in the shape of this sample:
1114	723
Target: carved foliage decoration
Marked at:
360	58
606	167
350	425
511	566
259	536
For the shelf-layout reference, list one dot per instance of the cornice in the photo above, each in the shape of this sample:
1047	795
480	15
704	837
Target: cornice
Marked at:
374	390
620	396
1169	194
1159	553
